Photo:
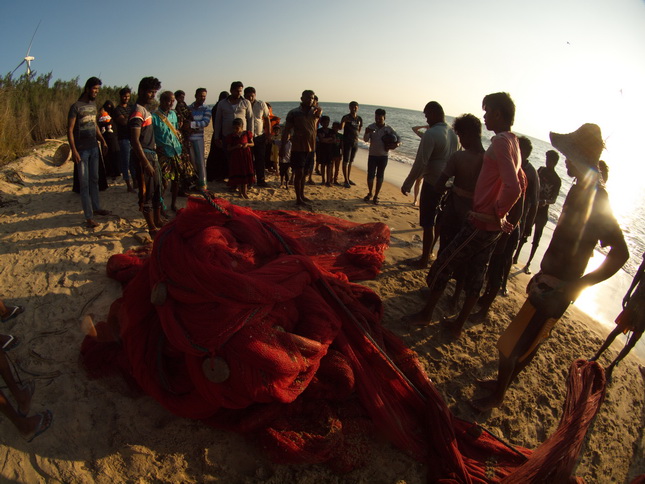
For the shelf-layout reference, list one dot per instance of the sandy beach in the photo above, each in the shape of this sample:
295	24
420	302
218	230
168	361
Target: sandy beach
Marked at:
104	432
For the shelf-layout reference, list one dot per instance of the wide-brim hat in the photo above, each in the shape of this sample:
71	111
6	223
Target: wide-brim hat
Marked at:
583	145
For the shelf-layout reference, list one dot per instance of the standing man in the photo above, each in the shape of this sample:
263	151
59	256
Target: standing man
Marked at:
168	140
586	219
201	118
144	150
377	159
234	106
438	143
550	184
82	134
261	129
121	117
301	125
351	124
497	190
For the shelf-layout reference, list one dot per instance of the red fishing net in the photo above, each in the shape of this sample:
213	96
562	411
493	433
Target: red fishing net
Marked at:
247	320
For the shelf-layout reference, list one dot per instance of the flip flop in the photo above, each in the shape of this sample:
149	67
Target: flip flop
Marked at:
11	343
46	419
30	386
14	311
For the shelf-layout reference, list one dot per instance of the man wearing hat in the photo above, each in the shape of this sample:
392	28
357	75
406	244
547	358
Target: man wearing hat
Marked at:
586	219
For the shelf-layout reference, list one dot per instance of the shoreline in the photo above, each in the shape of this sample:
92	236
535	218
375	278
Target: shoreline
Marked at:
55	267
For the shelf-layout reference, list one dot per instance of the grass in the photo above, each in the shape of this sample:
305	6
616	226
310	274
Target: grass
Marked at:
34	109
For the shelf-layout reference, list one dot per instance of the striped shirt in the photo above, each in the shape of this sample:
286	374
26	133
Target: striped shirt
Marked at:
201	118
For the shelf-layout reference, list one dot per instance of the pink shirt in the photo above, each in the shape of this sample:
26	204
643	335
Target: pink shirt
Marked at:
498	186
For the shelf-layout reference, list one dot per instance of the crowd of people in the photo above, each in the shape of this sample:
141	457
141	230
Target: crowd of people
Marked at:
480	205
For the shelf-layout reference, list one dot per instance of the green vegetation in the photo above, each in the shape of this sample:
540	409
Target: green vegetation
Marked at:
32	110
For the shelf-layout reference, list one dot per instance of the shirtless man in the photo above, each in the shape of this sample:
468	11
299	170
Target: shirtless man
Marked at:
586	219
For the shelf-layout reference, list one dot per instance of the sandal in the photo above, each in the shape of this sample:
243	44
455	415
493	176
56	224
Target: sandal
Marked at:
368	197
90	224
102	212
11	343
13	312
46	419
375	201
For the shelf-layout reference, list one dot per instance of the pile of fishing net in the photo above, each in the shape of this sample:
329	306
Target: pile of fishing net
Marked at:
248	321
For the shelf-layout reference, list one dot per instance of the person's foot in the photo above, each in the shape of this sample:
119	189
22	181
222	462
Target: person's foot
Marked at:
311	182
352	183
328	184
317	172
102	212
515	260
336	183
23	399
305	199
367	197
452	326
503	291
485	404
527	269
418	319
375	201
416	263
90	224
37	424
262	184
489	385
12	312
346	185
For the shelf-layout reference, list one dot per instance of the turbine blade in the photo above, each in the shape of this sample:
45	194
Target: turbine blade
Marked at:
32	38
23	61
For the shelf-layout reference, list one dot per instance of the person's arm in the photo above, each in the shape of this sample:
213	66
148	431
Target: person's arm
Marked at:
137	149
417	130
288	125
205	121
249	117
71	123
368	134
420	162
266	122
616	258
100	137
250	143
556	192
121	120
342	122
637	278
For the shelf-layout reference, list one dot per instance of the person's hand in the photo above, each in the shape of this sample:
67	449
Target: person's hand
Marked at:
573	289
104	145
150	170
626	300
503	224
76	157
369	130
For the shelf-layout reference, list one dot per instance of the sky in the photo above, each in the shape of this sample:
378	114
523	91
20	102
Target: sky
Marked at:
564	62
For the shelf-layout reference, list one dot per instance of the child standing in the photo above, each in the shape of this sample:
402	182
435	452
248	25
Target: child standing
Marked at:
336	151
325	140
240	161
285	163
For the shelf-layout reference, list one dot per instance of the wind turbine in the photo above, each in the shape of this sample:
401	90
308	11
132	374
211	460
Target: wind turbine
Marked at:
28	58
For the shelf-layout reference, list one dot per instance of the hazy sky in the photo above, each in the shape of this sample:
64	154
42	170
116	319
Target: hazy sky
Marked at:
565	62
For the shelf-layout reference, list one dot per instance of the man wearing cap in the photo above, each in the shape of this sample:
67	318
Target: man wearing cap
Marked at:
586	219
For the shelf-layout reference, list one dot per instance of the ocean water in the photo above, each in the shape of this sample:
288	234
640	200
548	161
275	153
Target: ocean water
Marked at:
630	217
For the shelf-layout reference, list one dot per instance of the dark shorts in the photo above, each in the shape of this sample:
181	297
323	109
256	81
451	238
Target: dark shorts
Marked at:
349	152
150	189
376	167
323	157
284	169
471	247
542	216
428	205
302	159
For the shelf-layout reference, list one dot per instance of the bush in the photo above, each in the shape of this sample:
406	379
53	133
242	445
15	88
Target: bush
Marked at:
33	111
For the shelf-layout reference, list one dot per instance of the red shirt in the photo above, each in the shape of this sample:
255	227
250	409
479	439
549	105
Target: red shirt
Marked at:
498	185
